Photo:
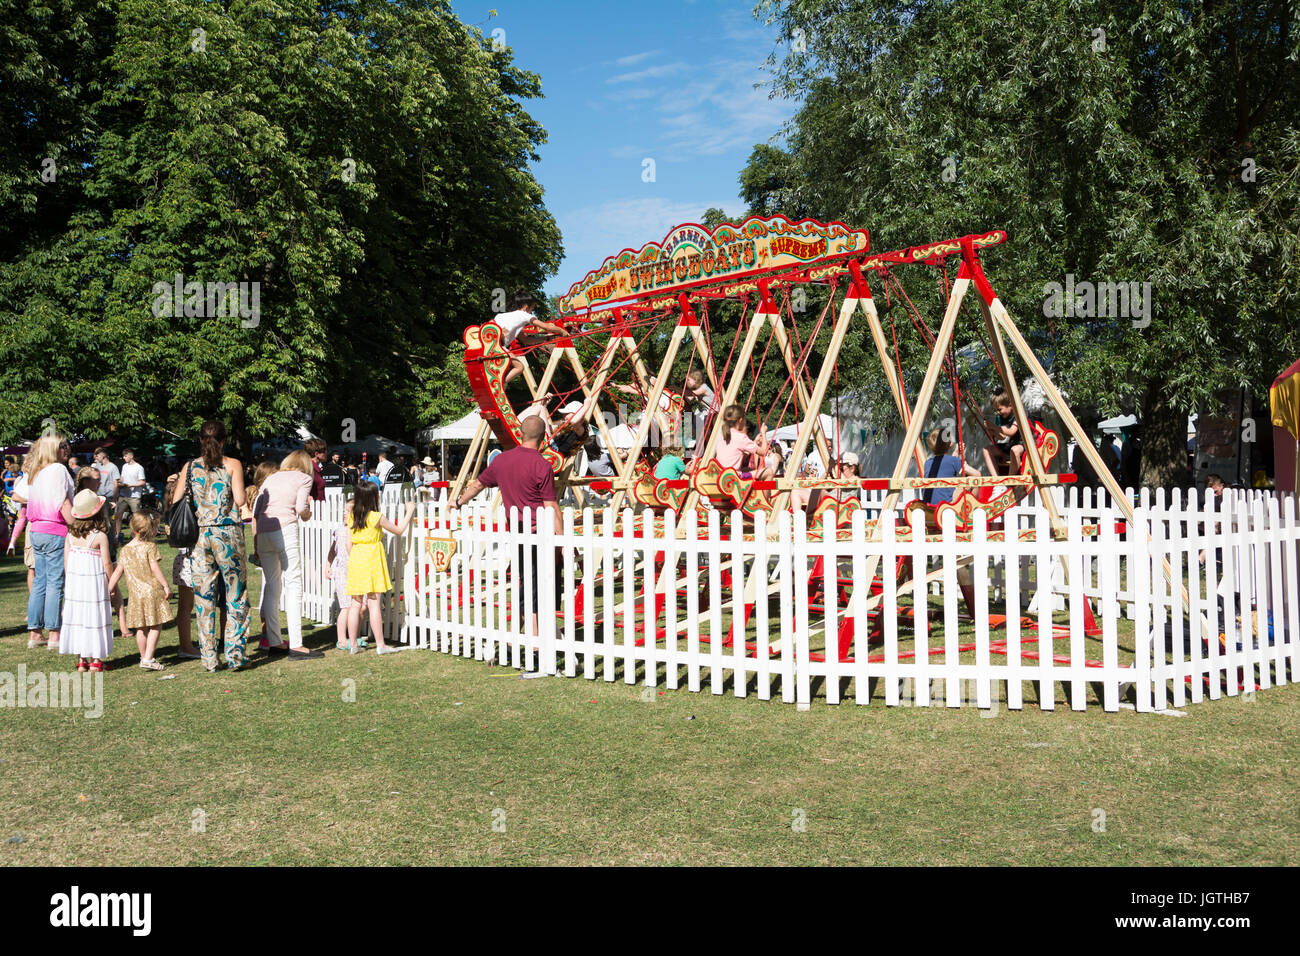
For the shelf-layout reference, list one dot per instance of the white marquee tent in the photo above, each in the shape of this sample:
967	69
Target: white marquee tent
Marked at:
462	429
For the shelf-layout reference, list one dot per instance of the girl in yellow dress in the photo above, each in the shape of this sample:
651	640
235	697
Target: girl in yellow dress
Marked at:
148	608
367	566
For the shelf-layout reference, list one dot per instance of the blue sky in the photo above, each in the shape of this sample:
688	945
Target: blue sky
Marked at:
670	81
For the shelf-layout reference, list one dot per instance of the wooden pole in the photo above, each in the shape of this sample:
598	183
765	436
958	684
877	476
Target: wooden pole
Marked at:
891	375
652	405
472	453
818	395
803	397
1036	468
595	386
728	398
922	408
999	312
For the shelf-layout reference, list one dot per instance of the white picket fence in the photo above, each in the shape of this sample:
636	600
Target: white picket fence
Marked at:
1159	612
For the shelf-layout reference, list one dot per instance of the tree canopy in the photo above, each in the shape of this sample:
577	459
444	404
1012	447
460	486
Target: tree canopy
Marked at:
1116	141
366	164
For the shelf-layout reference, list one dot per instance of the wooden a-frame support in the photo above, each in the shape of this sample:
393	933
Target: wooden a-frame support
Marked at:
997	321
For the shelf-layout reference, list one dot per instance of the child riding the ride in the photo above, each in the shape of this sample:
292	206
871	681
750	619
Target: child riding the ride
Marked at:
512	331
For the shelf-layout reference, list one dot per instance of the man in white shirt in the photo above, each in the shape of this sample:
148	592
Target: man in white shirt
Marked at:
109	477
384	467
512	326
131	486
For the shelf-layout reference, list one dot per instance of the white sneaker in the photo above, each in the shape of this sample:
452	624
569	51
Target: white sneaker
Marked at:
389	649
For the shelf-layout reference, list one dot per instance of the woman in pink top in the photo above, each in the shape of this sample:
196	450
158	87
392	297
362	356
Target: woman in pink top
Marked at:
282	499
49	512
736	446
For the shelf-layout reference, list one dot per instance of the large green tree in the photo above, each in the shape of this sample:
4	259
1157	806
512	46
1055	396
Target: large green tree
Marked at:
1152	141
365	163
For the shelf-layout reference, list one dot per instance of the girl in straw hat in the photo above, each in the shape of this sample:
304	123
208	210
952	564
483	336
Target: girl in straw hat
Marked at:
87	611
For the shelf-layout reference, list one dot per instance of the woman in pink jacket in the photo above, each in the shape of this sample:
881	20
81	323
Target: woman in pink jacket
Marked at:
49	512
282	500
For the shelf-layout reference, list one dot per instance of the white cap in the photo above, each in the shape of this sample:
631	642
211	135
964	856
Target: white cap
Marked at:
570	408
850	459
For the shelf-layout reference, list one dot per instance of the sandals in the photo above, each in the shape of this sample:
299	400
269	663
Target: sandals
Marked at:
151	665
33	643
82	666
96	666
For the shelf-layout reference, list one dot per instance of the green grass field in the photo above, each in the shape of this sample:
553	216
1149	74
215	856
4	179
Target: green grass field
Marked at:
443	760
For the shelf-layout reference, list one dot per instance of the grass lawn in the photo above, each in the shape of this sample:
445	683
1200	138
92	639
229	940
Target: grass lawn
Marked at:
435	750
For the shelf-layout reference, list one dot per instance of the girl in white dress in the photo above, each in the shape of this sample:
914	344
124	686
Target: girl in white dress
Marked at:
336	569
87	609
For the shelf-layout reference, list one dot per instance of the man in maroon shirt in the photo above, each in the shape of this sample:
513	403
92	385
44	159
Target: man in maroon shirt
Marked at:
316	448
526	482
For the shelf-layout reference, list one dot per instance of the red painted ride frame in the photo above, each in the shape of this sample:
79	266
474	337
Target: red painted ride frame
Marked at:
486	361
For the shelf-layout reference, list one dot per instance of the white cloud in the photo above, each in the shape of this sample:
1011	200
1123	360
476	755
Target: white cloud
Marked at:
629	152
740	26
649	73
635	58
720	111
714	107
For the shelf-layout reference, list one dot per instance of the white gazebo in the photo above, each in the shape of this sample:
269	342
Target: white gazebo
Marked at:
461	430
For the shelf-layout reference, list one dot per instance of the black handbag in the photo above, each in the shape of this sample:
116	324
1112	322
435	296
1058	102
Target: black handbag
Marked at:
183	518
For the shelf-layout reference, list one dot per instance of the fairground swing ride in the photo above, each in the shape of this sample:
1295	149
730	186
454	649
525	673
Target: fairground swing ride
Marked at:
666	289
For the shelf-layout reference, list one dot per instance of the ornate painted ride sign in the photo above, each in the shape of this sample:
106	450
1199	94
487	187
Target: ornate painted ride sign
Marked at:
693	255
440	550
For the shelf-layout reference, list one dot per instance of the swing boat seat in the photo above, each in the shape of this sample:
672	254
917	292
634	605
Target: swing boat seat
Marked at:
726	490
966	500
833	512
658	494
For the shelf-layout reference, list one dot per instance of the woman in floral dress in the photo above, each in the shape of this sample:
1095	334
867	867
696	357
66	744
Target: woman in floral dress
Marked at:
219	554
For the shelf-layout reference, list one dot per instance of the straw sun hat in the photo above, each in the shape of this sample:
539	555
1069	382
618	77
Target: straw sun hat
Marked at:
86	504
